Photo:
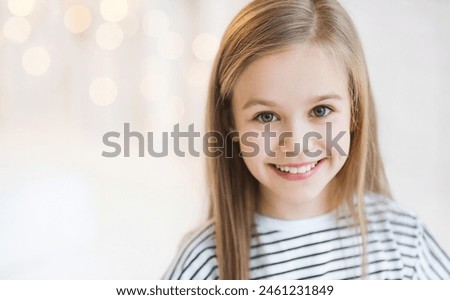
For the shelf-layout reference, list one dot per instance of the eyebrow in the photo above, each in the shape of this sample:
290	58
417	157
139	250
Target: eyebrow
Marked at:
257	101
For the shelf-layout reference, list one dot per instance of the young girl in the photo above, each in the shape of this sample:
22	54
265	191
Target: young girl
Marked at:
286	207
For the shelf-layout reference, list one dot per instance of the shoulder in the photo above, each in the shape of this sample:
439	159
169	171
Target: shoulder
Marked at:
379	206
385	215
196	258
388	219
390	223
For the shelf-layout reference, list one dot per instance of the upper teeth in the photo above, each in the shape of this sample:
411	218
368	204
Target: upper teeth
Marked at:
300	170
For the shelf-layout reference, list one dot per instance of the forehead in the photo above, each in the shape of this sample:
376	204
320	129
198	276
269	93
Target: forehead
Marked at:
295	74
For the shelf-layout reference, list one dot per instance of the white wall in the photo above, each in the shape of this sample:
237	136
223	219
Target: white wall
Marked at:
68	213
407	47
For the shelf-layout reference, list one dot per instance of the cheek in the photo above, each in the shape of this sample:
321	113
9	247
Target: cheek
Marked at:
259	144
252	146
339	142
344	147
335	140
252	150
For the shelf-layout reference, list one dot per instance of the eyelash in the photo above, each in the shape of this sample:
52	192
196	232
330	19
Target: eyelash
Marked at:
258	117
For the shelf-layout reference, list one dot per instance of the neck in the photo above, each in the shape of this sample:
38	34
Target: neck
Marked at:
289	207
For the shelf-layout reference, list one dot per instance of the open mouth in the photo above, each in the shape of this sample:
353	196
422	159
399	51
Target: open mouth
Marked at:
297	170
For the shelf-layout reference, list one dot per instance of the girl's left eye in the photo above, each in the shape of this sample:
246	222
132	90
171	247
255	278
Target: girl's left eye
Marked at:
321	111
266	117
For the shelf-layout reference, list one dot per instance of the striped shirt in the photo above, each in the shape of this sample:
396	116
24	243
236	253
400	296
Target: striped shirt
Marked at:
399	246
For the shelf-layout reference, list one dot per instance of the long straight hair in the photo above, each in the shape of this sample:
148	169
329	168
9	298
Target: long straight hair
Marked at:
265	27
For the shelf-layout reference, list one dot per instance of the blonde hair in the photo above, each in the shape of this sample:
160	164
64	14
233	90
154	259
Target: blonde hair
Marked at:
261	28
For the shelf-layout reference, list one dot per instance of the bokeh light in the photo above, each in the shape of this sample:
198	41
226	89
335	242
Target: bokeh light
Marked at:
205	46
130	25
154	63
114	10
154	87
21	8
109	36
171	110
155	23
198	74
17	29
170	45
103	91
36	61
77	18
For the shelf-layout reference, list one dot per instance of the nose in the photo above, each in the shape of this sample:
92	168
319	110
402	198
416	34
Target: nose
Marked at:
299	139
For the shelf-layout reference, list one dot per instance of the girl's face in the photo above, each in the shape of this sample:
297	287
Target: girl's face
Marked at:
297	92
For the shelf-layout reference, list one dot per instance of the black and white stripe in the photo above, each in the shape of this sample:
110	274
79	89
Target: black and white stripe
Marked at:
399	246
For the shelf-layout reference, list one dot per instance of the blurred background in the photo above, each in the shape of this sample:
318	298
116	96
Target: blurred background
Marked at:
72	70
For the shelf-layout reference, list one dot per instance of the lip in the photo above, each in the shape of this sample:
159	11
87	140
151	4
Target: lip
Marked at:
299	165
296	177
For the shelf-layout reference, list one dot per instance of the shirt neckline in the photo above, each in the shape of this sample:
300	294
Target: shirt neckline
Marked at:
323	220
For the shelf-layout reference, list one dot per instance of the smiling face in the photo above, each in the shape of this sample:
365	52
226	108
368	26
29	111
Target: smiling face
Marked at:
298	92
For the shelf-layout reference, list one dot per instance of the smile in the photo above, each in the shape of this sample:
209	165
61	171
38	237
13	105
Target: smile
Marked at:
294	170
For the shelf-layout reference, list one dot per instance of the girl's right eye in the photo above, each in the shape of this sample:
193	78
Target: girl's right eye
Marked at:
266	117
